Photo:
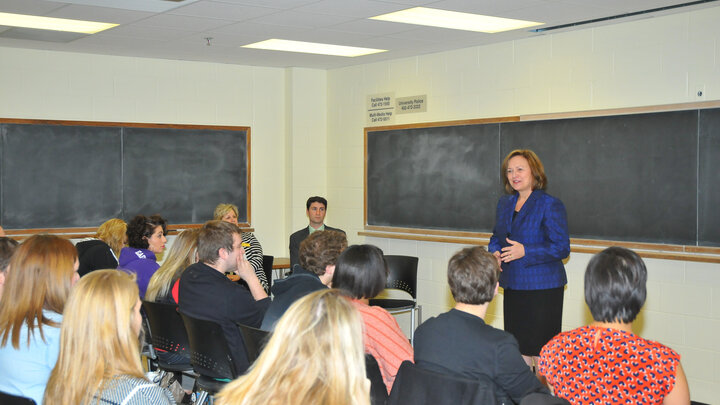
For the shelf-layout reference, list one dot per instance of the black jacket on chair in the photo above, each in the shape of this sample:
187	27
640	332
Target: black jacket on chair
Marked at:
415	386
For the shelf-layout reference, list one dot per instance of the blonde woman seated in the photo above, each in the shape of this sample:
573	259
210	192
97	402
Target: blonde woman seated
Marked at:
163	286
315	356
102	251
99	360
253	250
38	281
605	362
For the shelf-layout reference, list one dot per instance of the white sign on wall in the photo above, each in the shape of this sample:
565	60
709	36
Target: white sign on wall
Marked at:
381	109
412	104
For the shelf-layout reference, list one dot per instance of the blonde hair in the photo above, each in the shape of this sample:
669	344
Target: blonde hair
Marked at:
114	233
40	276
181	255
97	340
223	209
314	356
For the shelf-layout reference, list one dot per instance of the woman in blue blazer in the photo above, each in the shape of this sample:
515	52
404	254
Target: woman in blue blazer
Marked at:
530	240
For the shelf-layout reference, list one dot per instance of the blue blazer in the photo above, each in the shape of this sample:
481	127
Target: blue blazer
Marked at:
541	226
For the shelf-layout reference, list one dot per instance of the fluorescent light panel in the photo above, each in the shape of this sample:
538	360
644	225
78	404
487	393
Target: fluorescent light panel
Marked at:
312	47
54	24
455	20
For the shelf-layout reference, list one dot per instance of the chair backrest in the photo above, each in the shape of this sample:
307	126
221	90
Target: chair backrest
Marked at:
254	340
167	330
416	386
402	273
267	267
209	352
378	390
7	399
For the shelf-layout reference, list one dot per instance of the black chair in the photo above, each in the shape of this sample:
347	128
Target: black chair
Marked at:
415	386
210	357
167	334
7	399
268	268
147	350
254	340
402	276
378	389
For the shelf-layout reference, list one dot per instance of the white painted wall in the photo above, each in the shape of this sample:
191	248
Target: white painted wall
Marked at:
71	86
648	62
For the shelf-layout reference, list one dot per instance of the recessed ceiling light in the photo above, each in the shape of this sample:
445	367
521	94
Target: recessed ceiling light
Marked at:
312	47
455	20
54	24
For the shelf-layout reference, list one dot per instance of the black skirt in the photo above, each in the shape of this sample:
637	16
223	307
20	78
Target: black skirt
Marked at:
533	317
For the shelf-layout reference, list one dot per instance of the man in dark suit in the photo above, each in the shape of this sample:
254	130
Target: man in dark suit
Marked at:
459	343
316	209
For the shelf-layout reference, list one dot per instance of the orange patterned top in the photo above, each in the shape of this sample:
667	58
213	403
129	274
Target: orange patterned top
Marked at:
596	365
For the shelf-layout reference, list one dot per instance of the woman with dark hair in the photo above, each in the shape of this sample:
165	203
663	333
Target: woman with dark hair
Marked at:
529	241
146	239
7	248
362	272
605	362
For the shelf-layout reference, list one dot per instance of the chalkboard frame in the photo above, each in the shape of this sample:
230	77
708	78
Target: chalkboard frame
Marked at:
452	236
78	231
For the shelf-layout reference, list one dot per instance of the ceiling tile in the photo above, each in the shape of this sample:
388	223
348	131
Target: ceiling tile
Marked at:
182	22
292	18
100	14
33	7
226	11
351	8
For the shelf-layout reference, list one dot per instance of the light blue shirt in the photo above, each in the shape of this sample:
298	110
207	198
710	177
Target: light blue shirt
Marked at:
311	229
25	372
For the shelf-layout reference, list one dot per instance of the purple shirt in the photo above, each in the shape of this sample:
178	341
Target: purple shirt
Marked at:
142	262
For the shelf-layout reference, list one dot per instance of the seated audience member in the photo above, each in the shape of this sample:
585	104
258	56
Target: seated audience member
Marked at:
39	279
362	272
605	362
253	250
318	254
314	356
316	208
7	248
99	361
102	251
205	292
146	239
459	342
163	286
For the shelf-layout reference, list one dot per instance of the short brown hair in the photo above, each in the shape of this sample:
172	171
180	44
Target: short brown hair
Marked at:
321	249
473	274
215	235
536	167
